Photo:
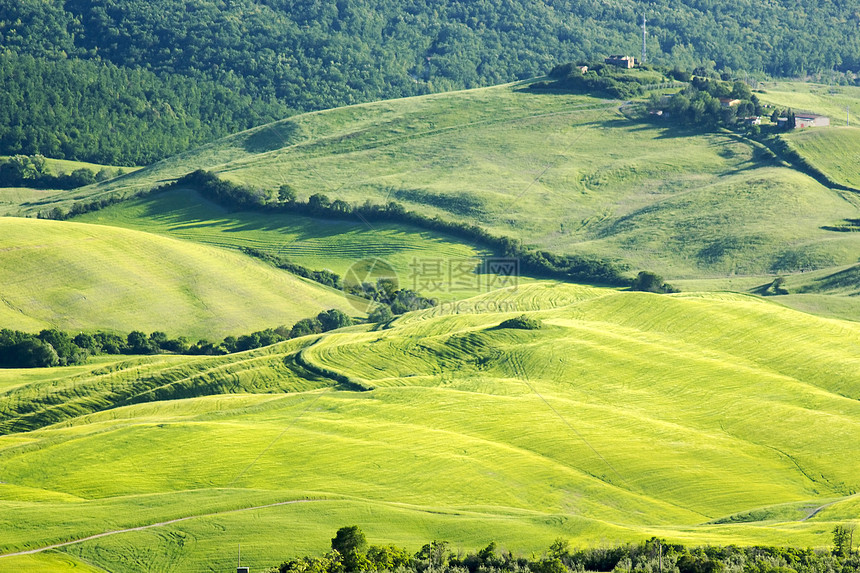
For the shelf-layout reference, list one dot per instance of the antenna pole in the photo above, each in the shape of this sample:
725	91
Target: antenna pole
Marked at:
643	38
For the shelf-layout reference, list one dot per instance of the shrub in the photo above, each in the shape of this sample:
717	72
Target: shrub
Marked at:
381	313
646	281
333	319
522	322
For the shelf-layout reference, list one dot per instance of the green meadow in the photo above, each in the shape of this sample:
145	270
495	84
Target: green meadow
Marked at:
829	100
700	417
76	276
835	151
565	172
311	242
723	414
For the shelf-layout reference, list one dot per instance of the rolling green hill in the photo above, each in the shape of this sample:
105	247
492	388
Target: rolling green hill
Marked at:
829	100
75	276
569	173
836	152
715	418
311	242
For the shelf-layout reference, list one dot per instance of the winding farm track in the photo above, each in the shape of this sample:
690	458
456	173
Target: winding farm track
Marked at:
150	526
818	510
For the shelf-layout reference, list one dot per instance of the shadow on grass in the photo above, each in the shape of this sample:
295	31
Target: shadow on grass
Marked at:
845	280
273	137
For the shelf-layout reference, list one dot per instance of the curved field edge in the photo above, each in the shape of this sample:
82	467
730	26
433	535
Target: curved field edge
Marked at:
834	151
60	397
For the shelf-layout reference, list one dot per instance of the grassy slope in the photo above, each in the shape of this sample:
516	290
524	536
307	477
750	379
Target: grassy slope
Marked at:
78	276
835	151
817	98
701	407
567	172
314	243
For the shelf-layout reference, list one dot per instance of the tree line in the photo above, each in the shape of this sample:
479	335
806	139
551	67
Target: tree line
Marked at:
534	261
351	553
388	298
52	347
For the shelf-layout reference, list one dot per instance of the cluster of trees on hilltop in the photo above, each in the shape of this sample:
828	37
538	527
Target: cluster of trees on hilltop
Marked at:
351	553
599	78
699	103
131	81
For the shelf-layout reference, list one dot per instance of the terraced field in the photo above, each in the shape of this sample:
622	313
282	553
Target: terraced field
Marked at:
697	417
76	276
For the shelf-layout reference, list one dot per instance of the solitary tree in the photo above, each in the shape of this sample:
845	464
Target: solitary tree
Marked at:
348	540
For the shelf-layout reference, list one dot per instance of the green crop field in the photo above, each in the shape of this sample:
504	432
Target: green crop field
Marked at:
711	417
707	416
76	276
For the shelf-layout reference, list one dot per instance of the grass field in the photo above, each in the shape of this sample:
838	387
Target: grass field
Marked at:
569	173
314	243
836	152
76	276
701	417
715	418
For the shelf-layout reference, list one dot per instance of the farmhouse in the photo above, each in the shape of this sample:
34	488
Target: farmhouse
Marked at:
802	120
621	61
810	120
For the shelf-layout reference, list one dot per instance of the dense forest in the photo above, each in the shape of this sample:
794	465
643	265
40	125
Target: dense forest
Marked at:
132	81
